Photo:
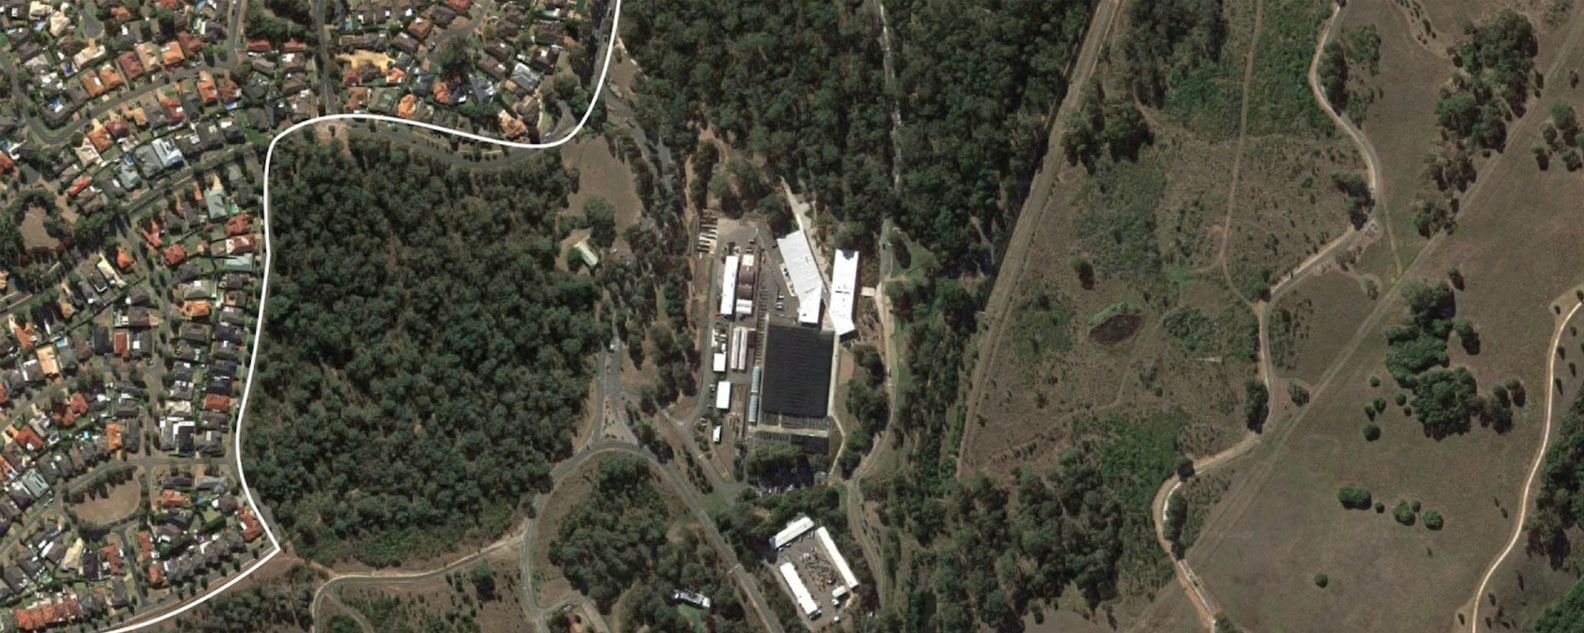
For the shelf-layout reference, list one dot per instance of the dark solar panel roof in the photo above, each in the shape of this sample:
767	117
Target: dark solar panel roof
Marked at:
797	371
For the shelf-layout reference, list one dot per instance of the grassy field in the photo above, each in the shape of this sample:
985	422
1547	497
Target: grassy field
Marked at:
1152	230
1282	523
117	502
1528	582
1325	309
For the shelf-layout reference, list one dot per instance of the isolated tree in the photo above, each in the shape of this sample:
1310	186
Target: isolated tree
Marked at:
602	221
1297	393
1403	513
1084	270
1354	498
1433	520
1372	432
1565	119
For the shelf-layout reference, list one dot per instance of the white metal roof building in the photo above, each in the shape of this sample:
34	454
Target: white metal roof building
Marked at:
803	274
718	362
836	557
844	288
739	348
798	527
747	282
728	292
804	600
723	395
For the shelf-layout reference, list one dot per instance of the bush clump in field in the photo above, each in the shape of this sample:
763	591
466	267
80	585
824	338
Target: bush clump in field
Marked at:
1493	81
1374	381
1433	520
1113	124
1084	270
1320	580
1515	390
1354	498
1372	432
1403	513
1445	401
1256	403
1380	507
1401	398
1297	393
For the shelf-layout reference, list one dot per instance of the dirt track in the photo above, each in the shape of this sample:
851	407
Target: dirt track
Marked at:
1039	203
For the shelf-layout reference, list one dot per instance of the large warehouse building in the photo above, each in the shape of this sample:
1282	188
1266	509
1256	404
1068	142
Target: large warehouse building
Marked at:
803	275
844	288
797	372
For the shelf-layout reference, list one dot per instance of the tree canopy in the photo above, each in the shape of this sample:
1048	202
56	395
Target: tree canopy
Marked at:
423	360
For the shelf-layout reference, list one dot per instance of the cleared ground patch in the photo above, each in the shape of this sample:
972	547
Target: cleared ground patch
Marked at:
112	501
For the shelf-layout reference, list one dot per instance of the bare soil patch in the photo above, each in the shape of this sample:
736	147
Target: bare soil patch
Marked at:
119	502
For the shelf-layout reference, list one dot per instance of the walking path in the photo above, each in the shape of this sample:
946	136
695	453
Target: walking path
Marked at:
1200	596
1028	222
1534	467
1192	583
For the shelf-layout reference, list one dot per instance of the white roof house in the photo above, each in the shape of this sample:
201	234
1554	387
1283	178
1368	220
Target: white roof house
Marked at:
836	557
718	362
723	395
728	293
844	287
798	527
799	591
803	274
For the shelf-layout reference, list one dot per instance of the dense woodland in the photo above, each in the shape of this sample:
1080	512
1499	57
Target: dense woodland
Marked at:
980	86
798	85
615	543
424	360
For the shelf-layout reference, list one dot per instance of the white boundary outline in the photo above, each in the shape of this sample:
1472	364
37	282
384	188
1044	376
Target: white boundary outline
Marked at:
269	252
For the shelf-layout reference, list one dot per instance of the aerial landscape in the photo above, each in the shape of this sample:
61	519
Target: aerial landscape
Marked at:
611	316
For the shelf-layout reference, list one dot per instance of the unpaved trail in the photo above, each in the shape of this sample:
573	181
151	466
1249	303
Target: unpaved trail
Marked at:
1015	260
1493	171
1200	596
1534	468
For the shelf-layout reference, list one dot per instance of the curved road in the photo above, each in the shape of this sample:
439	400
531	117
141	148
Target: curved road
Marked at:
1534	467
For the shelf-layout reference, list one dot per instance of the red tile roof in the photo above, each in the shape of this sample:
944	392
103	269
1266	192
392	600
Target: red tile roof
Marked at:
130	67
217	402
175	255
